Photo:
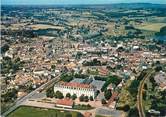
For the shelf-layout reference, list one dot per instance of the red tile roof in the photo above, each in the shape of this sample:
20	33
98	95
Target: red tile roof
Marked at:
103	71
87	114
65	101
76	85
162	85
113	97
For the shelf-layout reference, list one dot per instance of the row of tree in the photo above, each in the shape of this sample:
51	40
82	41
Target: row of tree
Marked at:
83	98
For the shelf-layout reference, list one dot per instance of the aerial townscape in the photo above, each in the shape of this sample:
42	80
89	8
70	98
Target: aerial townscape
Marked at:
103	60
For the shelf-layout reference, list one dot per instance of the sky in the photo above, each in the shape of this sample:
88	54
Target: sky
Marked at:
59	2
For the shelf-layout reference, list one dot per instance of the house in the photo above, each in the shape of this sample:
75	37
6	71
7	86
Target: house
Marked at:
112	100
21	94
111	86
65	103
87	114
160	79
103	71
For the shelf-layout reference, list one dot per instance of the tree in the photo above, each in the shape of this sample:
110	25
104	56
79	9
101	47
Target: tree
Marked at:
74	96
78	55
50	93
66	77
81	98
17	60
10	96
103	101
91	98
144	94
158	68
59	95
126	108
9	65
133	112
158	63
4	48
115	80
88	105
53	66
15	67
133	88
86	98
111	79
68	95
107	94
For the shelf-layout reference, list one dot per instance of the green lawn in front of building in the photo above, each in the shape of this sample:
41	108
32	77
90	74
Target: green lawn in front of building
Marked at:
25	111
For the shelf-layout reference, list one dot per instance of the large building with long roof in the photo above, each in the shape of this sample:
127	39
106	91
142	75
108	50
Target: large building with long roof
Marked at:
75	88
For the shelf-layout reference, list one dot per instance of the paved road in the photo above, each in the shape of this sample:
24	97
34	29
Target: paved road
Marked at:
140	94
21	100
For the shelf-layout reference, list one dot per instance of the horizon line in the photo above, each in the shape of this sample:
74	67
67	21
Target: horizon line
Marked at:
89	4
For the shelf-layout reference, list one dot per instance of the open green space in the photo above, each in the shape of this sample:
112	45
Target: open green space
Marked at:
25	111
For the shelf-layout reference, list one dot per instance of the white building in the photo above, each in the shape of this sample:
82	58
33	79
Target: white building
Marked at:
75	88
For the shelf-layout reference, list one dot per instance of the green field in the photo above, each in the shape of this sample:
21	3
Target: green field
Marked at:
25	111
151	26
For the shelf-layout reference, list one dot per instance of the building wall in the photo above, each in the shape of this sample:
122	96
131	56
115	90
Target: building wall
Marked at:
77	91
64	106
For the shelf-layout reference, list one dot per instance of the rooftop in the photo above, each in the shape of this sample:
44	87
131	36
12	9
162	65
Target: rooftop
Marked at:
99	84
78	80
76	85
65	101
160	78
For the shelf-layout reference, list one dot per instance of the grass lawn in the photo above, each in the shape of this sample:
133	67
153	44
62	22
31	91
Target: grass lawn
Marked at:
25	111
101	116
151	26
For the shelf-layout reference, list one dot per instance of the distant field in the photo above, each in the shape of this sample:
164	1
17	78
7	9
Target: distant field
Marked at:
25	111
151	26
14	26
80	23
110	27
157	19
45	26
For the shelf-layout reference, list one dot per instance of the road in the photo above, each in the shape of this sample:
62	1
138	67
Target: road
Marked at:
140	94
21	100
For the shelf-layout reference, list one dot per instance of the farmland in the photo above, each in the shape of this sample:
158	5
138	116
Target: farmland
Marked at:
155	27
